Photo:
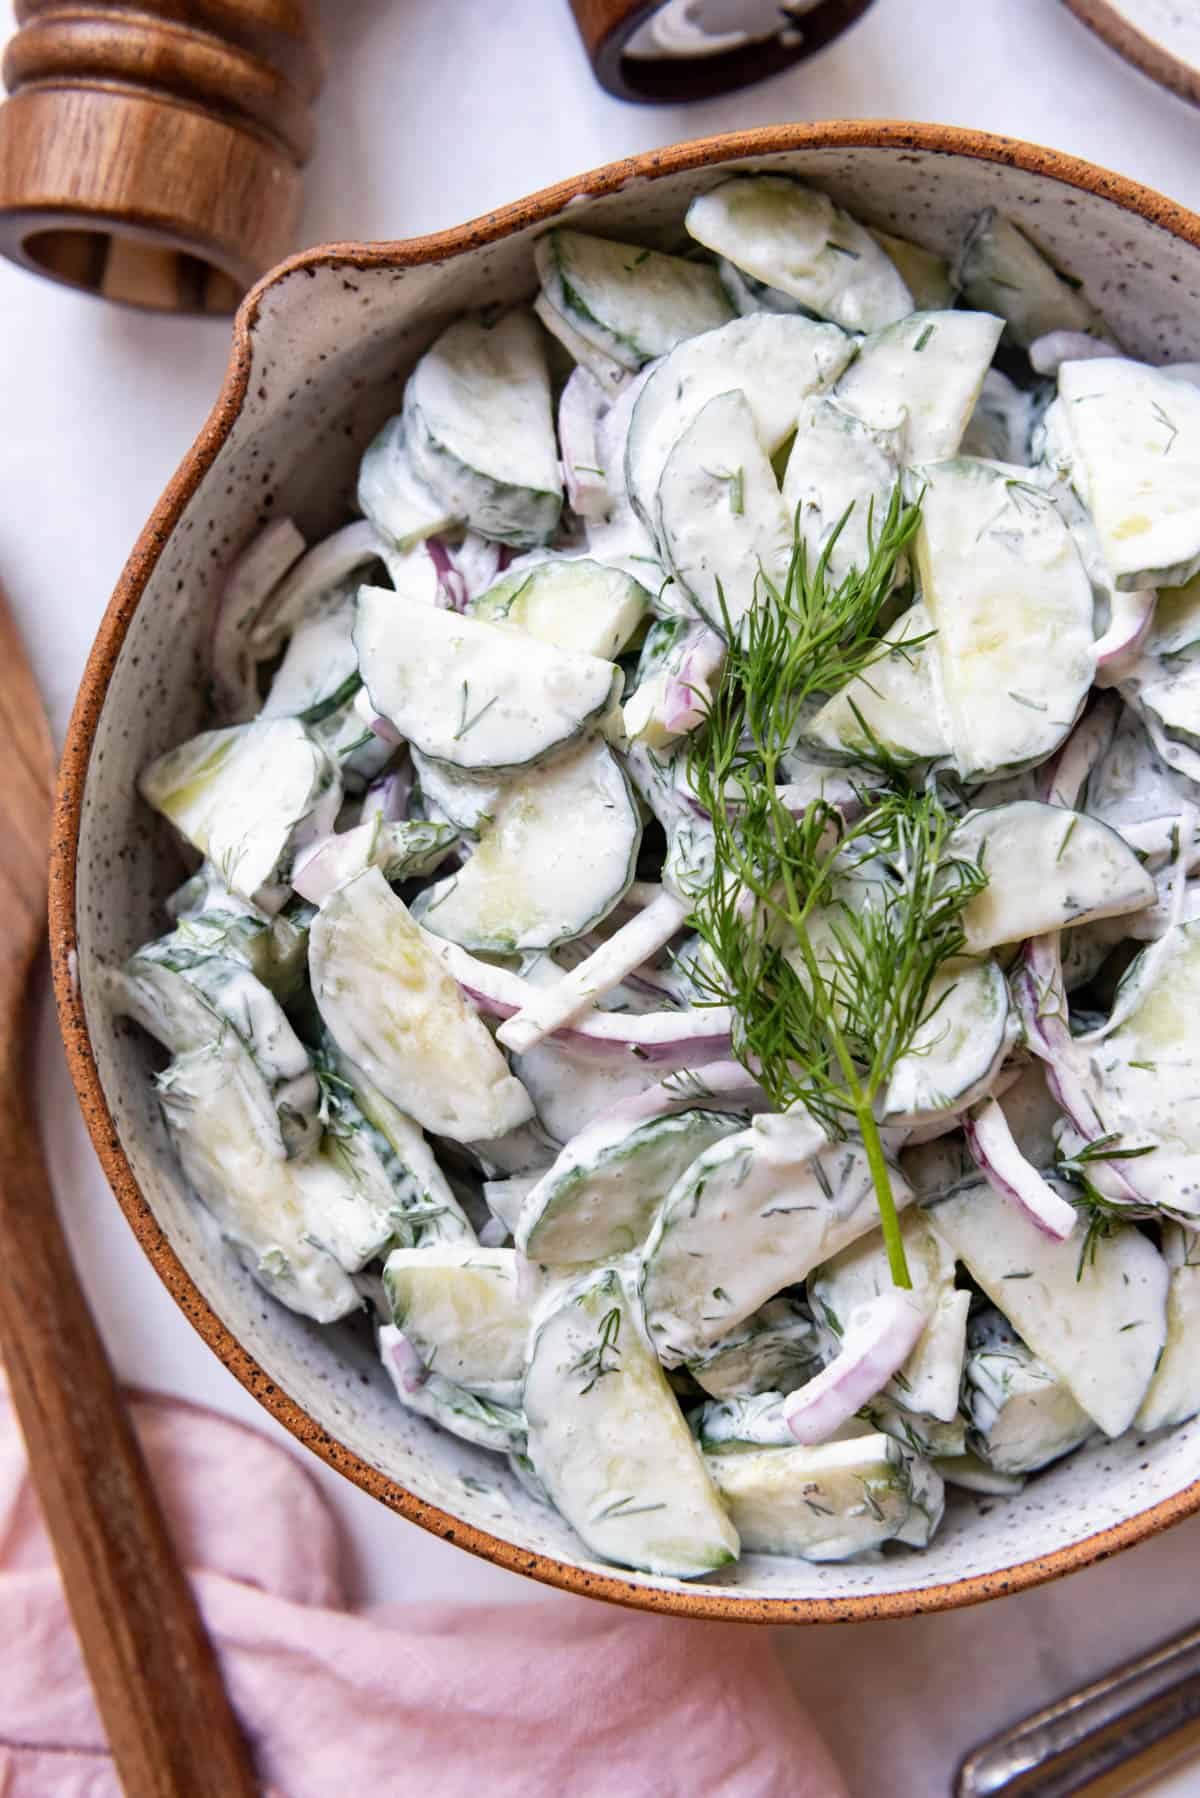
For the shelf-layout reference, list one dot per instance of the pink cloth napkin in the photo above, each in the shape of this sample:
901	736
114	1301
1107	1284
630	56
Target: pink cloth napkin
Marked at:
561	1696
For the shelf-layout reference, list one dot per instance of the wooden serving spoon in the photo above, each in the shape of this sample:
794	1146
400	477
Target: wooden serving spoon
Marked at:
152	1666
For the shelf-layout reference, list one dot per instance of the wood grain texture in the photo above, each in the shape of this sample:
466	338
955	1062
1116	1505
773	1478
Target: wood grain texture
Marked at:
153	154
152	1667
606	26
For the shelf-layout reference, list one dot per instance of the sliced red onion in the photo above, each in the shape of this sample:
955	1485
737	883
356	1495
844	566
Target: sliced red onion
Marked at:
627	948
409	1373
387	799
326	865
688	693
1006	1170
1048	352
697	1037
325	566
1117	651
452	588
583	404
1062	779
250	582
880	1336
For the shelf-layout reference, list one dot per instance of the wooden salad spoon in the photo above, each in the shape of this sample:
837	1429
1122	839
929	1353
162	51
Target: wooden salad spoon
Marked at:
152	1667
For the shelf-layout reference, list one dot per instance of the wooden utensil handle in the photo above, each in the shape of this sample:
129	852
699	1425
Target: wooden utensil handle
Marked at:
153	1670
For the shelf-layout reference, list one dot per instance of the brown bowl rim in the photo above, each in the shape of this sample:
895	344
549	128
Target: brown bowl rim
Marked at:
1144	53
697	153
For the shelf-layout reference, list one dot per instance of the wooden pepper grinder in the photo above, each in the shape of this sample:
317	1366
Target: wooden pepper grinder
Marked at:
672	50
152	153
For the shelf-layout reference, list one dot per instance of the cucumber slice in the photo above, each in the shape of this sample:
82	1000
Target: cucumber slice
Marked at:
631	303
1022	1417
210	920
1174	1392
391	494
467	801
1131	783
1168	694
921	378
1047	868
722	521
1176	623
470	693
598	1200
394	1011
1001	427
1143	1069
748	296
758	1422
798	241
753	1214
611	375
926	276
1000	270
187	1000
773	362
480	431
970	1474
462	1310
608	1441
1135	439
774	1350
959	1049
1012	607
577	604
248	798
468	1415
226	1135
929	1379
829	1503
319	671
836	463
893	705
535	880
1098	1321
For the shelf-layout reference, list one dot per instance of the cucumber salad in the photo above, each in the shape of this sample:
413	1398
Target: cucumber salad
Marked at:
694	936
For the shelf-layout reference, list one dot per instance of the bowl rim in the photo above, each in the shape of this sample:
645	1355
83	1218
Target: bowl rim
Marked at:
896	135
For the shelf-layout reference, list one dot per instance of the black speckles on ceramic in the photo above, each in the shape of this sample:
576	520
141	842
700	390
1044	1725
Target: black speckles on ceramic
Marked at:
321	349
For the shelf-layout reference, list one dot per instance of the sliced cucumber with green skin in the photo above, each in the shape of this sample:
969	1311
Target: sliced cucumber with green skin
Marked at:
1012	607
248	798
1000	270
473	694
210	920
319	670
1176	623
933	1437
422	1208
829	1503
468	1415
480	431
611	375
799	242
1022	1417
609	1443
756	1422
921	378
467	801
631	303
1000	428
970	1474
926	275
748	296
462	1310
1142	1070
532	883
928	1381
1168	695
892	705
959	1049
773	362
1047	868
836	463
598	1200
226	1135
1174	1392
1098	1322
573	604
774	1350
1135	440
187	1000
1131	783
394	1011
753	1214
722	520
391	493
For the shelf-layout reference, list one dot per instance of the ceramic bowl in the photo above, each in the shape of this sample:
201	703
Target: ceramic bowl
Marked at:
320	351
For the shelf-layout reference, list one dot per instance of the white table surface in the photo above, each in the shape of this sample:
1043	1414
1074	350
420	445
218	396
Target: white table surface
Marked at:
434	111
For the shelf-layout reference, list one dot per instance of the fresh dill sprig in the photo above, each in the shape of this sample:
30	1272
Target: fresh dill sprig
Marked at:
827	994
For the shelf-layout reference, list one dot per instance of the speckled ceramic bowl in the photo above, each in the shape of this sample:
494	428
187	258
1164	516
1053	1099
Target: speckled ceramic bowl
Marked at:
321	348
